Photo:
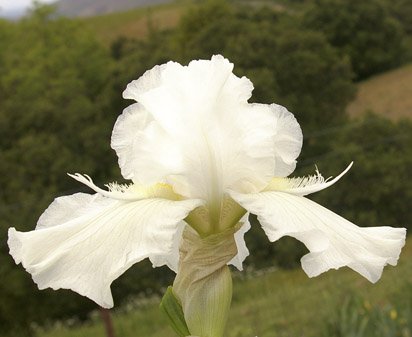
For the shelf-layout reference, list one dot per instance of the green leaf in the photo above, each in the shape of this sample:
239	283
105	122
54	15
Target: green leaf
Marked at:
171	306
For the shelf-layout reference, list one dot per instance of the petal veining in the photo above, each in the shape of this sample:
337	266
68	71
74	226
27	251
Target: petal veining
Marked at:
171	259
146	152
200	134
87	249
333	241
288	141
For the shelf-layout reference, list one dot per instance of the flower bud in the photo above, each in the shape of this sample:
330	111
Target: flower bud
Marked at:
203	283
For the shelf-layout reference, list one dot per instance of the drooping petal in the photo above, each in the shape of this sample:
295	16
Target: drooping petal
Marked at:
83	242
333	241
171	258
303	186
69	207
242	250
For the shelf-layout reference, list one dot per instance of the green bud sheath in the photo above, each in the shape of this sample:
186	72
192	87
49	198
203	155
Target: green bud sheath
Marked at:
203	283
172	308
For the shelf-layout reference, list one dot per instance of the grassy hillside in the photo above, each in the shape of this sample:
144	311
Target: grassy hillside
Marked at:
285	303
388	94
92	7
134	23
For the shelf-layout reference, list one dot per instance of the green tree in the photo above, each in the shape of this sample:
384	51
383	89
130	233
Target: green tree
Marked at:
364	30
313	81
288	65
54	118
402	10
60	94
377	191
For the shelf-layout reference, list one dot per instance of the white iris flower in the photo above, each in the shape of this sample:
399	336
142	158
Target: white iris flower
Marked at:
200	158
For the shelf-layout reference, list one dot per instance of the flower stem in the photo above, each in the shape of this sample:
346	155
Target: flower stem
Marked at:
107	319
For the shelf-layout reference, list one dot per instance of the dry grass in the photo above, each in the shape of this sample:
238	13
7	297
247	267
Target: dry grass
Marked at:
134	23
388	94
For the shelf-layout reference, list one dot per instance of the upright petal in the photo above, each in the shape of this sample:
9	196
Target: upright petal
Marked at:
83	242
288	141
194	129
333	241
146	152
179	97
151	79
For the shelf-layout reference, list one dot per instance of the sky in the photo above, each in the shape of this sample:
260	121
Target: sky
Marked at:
7	6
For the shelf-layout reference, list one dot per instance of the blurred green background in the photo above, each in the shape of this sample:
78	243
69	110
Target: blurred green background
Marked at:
343	67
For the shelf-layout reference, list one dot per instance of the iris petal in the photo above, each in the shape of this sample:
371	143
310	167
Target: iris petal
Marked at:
88	249
194	129
242	251
304	186
147	154
333	241
288	140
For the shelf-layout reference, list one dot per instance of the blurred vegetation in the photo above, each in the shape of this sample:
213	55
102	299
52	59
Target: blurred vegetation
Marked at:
358	318
60	93
285	303
366	31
